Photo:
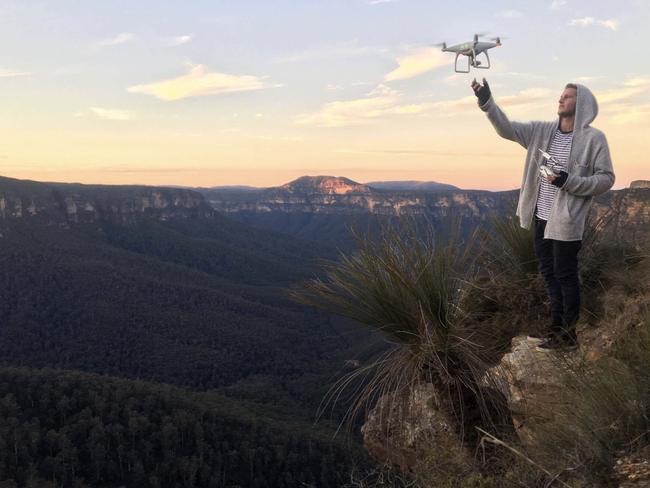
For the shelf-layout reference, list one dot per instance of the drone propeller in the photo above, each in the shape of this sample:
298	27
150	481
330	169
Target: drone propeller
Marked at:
479	34
443	45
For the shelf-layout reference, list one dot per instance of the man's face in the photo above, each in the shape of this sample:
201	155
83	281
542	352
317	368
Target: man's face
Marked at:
567	103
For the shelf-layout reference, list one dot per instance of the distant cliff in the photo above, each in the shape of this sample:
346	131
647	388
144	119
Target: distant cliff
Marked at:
640	184
410	185
625	215
324	208
75	203
335	195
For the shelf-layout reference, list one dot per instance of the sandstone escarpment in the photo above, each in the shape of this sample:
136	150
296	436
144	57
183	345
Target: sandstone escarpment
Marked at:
57	203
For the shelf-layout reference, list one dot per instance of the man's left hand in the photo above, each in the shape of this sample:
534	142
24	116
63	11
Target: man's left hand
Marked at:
558	180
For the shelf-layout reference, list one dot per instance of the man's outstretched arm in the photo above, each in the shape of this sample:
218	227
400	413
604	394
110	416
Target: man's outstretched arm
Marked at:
520	132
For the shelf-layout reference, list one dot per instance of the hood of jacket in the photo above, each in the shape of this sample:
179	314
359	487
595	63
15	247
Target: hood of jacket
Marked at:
586	108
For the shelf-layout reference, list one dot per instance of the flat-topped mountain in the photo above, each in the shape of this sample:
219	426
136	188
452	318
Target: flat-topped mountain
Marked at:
640	184
328	185
411	185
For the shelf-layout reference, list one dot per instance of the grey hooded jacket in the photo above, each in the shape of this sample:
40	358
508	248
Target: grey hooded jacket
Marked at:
589	166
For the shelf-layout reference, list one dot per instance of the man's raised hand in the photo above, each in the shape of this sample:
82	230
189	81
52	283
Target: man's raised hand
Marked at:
481	91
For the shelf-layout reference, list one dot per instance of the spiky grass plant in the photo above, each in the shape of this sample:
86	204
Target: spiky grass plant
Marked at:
511	289
414	289
510	247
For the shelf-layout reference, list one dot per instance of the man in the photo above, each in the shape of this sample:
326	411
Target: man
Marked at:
556	207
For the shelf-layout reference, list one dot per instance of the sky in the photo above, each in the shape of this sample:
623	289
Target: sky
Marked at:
207	93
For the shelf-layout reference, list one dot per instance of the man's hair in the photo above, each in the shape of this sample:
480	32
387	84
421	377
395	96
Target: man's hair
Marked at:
571	85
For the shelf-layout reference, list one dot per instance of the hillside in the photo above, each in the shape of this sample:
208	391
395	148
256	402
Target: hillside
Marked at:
78	429
151	283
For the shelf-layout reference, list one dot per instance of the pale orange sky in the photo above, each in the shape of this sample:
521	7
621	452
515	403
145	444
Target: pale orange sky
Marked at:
181	95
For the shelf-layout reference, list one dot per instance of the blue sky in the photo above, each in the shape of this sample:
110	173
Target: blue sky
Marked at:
224	92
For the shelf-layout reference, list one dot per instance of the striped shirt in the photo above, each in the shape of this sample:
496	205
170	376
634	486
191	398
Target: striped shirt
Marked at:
560	148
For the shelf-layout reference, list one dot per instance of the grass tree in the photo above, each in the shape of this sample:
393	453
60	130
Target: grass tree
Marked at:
414	288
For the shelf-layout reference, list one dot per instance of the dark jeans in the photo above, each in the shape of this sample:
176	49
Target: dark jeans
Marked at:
558	263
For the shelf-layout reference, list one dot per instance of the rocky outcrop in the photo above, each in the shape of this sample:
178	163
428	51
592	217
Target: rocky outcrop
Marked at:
532	383
403	429
325	185
633	470
624	215
640	184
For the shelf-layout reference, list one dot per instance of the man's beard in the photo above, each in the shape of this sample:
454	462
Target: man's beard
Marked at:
564	113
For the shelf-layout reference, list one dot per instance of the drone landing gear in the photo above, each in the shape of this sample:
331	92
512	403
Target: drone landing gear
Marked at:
456	65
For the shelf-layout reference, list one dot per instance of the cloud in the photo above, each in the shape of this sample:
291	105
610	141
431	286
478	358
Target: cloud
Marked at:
384	101
557	4
631	88
199	83
11	73
338	50
509	14
527	97
525	100
121	38
180	40
111	113
381	102
627	103
611	24
638	82
622	114
418	62
124	169
460	104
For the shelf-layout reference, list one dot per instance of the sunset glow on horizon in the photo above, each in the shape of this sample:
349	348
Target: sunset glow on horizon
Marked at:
259	93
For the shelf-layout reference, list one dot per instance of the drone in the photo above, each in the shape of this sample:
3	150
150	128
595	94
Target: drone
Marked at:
550	166
472	51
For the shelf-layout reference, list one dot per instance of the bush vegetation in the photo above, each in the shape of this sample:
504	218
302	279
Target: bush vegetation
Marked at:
448	309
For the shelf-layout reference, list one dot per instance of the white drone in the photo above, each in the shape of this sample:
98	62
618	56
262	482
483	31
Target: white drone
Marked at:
472	50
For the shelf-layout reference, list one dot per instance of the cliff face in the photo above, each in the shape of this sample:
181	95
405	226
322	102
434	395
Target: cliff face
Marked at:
640	184
58	203
624	214
329	195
